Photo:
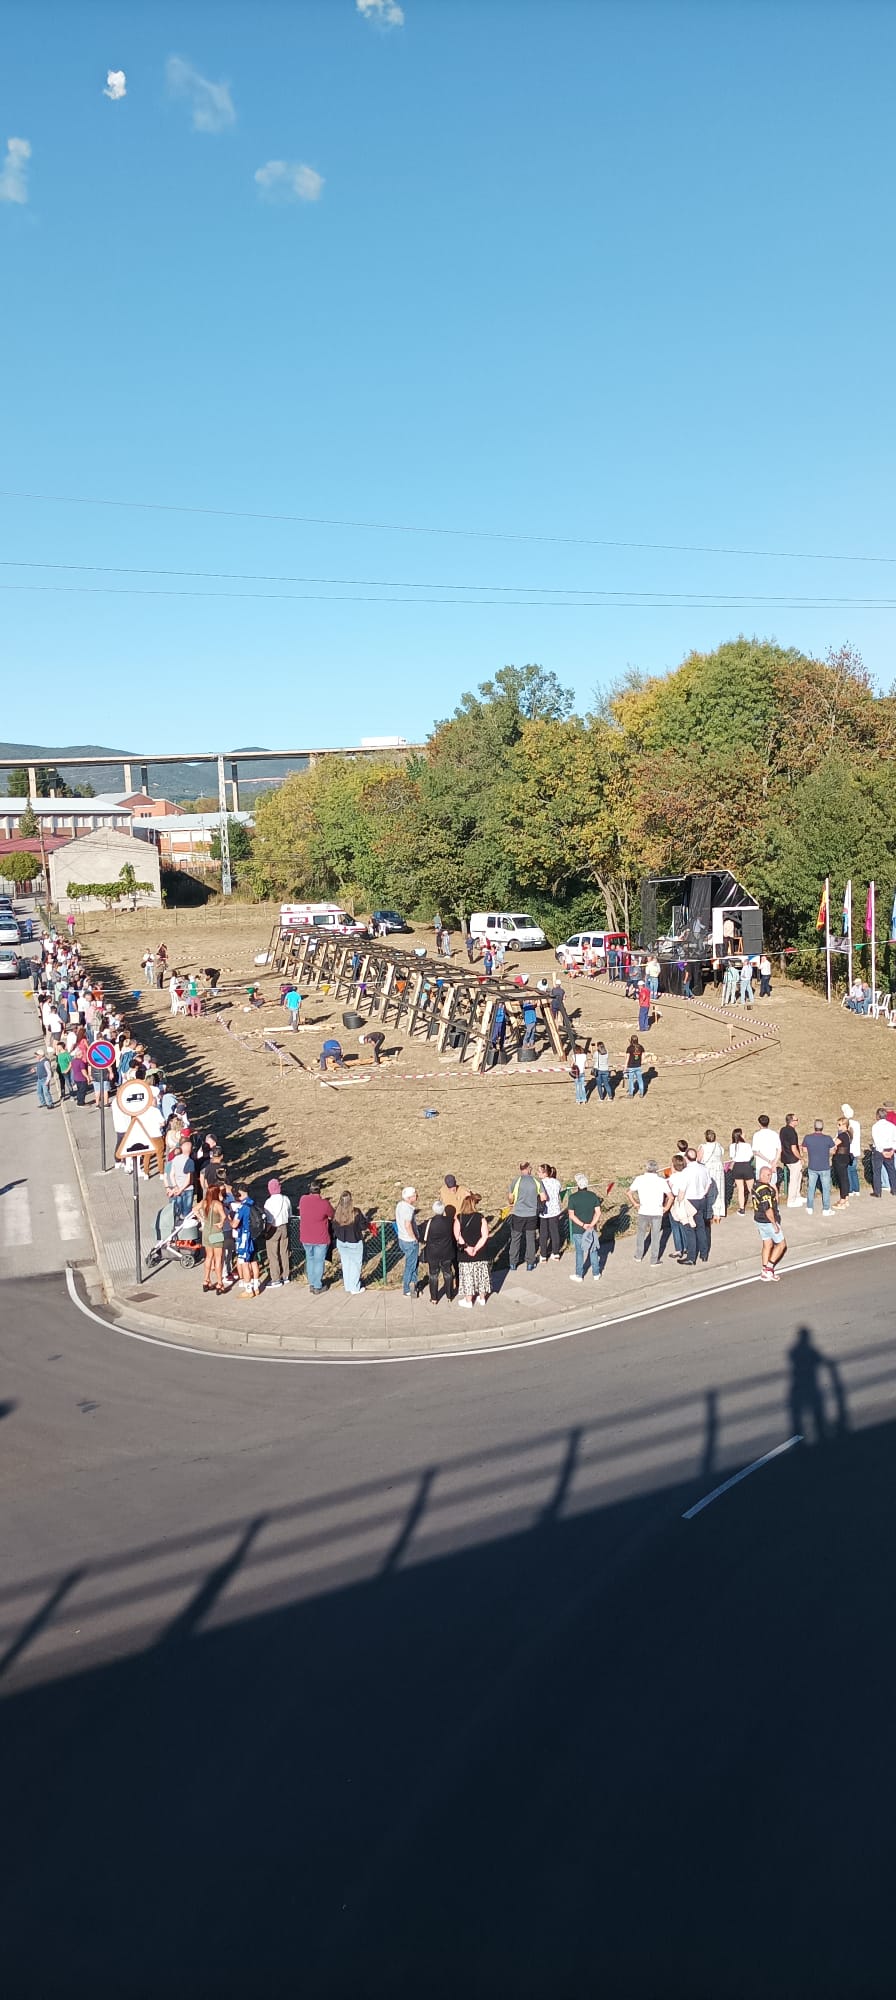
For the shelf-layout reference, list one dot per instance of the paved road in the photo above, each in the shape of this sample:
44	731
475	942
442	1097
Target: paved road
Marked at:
415	1681
41	1220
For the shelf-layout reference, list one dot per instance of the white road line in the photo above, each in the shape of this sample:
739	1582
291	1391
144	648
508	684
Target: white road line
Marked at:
744	1473
68	1213
535	1340
15	1219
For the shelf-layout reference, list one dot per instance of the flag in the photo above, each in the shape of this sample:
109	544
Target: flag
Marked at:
847	908
869	912
822	917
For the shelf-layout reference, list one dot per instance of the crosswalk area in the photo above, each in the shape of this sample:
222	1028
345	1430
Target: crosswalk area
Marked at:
42	1226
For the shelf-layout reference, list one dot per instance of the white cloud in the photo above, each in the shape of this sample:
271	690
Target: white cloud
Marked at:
386	13
14	171
289	180
116	85
212	104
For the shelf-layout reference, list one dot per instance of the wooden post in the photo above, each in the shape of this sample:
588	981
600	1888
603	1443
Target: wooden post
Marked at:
554	1035
481	1040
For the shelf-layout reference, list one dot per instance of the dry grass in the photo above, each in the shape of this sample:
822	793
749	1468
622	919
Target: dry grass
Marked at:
374	1137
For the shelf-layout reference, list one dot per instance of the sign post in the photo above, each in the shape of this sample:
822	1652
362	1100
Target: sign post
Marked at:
101	1056
134	1098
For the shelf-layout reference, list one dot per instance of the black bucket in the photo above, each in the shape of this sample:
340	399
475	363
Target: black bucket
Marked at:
353	1021
527	1055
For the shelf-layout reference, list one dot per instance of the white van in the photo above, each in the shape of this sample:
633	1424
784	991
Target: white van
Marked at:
502	927
320	917
600	942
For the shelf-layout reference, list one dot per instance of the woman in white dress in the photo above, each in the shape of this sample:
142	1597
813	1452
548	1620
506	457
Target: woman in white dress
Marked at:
712	1158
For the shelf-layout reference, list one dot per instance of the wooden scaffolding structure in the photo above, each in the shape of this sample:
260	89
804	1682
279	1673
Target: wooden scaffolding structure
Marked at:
429	999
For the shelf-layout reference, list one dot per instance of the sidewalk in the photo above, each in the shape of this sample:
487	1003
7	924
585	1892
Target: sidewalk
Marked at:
523	1307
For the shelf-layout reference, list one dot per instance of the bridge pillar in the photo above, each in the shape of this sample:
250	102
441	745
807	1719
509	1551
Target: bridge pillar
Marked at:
128	783
144	777
234	789
32	781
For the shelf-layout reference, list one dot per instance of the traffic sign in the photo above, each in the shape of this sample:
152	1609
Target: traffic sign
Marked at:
134	1097
101	1055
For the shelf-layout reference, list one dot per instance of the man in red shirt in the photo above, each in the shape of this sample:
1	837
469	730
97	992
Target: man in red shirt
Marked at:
315	1216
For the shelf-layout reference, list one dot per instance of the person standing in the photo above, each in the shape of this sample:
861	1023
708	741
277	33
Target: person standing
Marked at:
767	1217
634	1071
840	1162
180	1177
471	1237
766	1146
765	977
683	1214
408	1240
791	1159
585	1214
855	1150
315	1218
643	1007
277	1211
292	1001
525	1195
63	1071
244	1247
652	973
550	1220
729	983
742	1169
438	1249
712	1158
577	1067
161	965
817	1149
700	1190
652	1198
213	1222
42	1074
530	1023
348	1234
603	1081
745	994
883	1153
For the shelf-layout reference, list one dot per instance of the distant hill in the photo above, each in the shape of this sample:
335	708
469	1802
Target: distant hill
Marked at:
172	781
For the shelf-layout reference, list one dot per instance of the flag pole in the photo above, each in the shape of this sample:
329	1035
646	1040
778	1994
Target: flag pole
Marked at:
827	932
849	934
873	947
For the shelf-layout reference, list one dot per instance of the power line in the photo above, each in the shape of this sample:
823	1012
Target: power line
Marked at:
722	600
416	528
460	603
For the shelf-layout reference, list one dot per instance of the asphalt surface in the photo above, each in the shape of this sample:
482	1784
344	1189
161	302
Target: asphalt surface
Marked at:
414	1680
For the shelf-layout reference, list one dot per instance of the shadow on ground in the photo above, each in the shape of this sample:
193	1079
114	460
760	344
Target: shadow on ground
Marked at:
610	1753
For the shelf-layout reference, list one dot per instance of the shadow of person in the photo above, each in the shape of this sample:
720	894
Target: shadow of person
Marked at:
808	1412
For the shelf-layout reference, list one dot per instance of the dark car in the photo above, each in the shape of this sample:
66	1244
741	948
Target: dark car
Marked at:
388	920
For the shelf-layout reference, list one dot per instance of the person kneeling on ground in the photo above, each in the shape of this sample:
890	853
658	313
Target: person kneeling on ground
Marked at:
767	1217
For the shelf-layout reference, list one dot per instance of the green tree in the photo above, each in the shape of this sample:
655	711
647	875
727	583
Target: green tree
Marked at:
239	841
17	783
20	868
28	824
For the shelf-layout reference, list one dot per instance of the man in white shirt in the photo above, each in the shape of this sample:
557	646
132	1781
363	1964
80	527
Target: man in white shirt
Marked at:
694	1183
278	1209
767	1146
883	1152
652	1198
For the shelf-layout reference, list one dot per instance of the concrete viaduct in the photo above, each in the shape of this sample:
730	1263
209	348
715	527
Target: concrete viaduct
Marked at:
221	759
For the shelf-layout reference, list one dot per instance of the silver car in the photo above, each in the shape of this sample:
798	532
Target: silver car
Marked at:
9	963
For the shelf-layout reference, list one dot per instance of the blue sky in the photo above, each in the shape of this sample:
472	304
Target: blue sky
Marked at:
577	274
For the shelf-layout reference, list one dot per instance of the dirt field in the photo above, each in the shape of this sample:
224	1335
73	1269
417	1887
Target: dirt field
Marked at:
373	1137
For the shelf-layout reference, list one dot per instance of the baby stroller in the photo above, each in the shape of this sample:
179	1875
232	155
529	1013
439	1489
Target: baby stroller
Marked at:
178	1242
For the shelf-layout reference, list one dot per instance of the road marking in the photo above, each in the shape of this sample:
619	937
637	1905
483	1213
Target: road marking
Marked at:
744	1473
68	1213
453	1354
15	1219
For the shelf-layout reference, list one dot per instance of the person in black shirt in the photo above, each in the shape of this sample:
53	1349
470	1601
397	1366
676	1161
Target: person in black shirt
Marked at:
792	1159
767	1217
438	1245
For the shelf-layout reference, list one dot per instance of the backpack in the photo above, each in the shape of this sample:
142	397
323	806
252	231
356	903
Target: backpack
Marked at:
257	1223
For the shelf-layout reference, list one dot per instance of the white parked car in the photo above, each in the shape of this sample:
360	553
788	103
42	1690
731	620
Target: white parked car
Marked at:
9	930
518	932
573	951
9	964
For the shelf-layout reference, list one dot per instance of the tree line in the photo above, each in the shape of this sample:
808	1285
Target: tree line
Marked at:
753	757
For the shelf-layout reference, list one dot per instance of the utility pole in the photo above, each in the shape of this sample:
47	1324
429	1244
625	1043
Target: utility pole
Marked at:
226	876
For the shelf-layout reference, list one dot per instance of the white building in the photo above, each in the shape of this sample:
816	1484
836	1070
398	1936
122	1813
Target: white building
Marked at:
73	816
100	857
